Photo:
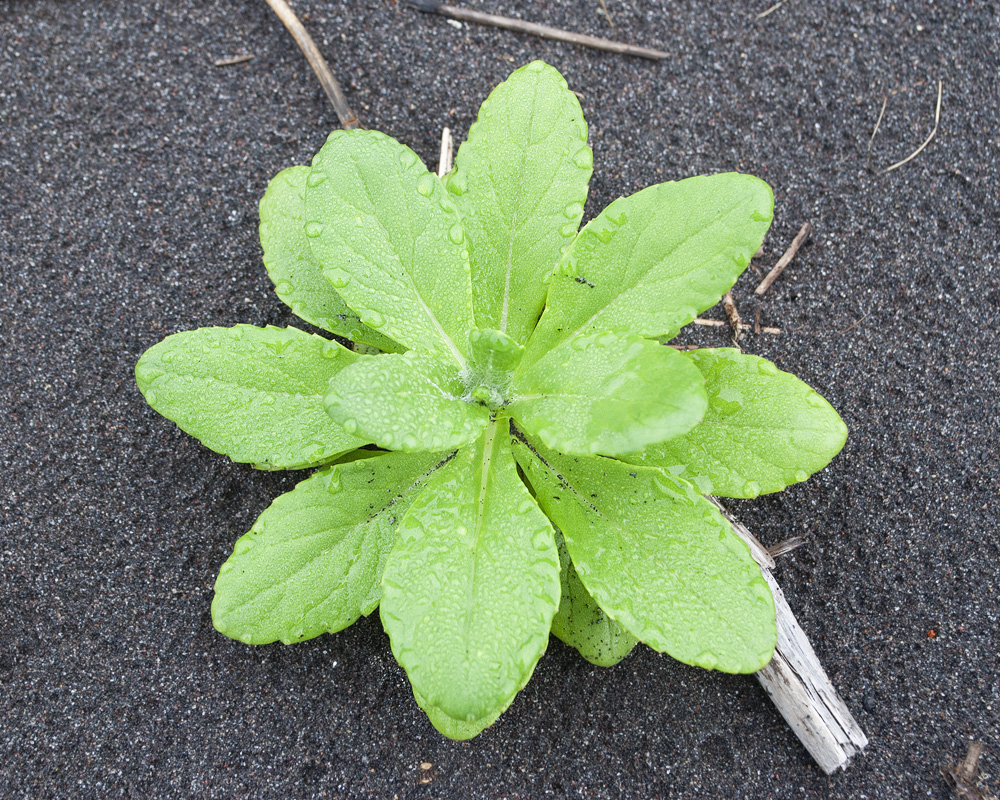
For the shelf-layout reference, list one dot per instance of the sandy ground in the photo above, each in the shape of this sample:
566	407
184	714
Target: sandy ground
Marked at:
131	169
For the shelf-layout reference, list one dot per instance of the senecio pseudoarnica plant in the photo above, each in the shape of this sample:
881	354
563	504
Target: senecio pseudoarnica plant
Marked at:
516	451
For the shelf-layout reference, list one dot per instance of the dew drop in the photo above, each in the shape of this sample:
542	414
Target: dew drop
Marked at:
707	659
338	277
425	184
456	234
373	319
569	229
331	350
751	488
243	546
350	425
801	475
584	158
151	397
268	399
314	229
236	333
315	178
573	211
815	400
408	158
458	184
766	368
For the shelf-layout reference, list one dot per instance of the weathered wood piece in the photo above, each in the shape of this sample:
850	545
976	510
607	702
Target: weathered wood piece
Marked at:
797	683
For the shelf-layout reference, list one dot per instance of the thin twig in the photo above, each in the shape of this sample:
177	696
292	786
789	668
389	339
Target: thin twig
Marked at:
708	323
545	31
855	324
756	321
735	322
348	119
446	159
772	331
784	261
786	546
604	8
927	141
228	62
770	10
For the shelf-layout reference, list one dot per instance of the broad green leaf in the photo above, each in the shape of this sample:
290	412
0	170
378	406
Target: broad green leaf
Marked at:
472	583
312	563
606	393
390	241
297	276
253	394
581	623
764	429
658	558
651	262
520	181
457	729
410	402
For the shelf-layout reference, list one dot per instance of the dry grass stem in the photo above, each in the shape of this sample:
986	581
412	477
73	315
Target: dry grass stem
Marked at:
228	62
446	159
927	141
544	31
771	10
784	261
348	119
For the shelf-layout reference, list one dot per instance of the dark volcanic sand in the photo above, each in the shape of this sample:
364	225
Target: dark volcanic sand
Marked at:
130	170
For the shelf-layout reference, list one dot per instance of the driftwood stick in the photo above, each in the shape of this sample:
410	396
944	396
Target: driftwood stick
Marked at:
784	261
348	119
545	31
964	778
797	683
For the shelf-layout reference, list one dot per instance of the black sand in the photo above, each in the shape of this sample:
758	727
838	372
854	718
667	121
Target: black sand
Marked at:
130	170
